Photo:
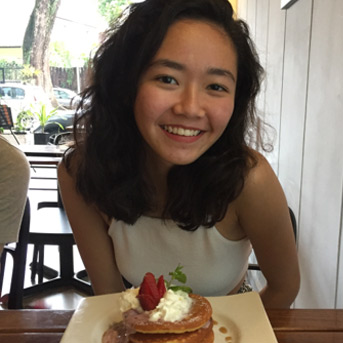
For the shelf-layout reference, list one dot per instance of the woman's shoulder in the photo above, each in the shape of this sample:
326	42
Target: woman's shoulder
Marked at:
67	178
261	184
259	175
260	170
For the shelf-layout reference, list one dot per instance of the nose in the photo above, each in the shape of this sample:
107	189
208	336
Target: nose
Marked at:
190	102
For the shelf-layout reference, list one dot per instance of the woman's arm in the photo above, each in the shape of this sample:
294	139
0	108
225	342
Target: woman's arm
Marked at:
263	214
90	231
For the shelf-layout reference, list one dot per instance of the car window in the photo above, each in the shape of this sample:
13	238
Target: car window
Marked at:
7	92
64	95
19	93
57	94
12	93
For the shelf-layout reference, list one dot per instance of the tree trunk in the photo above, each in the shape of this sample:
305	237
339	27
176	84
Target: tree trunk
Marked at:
37	40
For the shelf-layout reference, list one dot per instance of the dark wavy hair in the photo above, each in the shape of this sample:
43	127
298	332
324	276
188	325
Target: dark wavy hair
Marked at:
109	148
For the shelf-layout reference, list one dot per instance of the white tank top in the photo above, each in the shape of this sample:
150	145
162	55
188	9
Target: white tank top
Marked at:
213	264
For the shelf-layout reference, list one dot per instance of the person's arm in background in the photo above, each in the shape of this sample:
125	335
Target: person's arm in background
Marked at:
14	183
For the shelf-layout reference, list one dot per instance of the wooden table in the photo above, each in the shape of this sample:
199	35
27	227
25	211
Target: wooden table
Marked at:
37	150
298	326
310	326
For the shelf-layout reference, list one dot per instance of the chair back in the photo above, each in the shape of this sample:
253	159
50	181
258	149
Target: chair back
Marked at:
19	252
294	222
6	120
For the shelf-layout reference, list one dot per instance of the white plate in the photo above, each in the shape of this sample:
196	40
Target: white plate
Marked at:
240	317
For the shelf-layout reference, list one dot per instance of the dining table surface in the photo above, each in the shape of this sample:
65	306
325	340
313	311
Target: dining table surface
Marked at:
48	150
289	325
38	154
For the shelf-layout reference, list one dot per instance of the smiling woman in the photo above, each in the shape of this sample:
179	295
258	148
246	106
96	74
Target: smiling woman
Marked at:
162	167
185	98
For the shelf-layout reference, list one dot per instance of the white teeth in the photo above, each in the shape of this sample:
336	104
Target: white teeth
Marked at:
181	132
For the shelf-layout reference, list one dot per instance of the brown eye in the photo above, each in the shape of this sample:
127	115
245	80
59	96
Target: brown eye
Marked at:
167	79
218	88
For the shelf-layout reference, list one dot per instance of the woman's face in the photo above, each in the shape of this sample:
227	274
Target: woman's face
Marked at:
185	98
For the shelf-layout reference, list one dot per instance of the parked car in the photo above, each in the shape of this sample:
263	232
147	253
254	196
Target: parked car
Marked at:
66	98
20	97
57	135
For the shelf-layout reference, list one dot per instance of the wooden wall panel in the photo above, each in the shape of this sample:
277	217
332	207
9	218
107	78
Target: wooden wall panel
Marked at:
261	41
251	16
294	98
303	100
321	193
273	78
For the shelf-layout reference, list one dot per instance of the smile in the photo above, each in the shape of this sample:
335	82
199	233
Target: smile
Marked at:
181	132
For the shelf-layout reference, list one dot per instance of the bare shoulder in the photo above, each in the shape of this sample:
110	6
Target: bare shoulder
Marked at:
260	179
67	182
65	171
262	202
260	172
261	185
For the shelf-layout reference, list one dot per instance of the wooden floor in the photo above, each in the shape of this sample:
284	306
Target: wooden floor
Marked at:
58	298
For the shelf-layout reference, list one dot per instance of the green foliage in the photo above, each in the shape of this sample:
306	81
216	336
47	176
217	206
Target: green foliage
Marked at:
111	9
16	71
180	276
28	73
24	121
7	64
12	69
59	55
43	115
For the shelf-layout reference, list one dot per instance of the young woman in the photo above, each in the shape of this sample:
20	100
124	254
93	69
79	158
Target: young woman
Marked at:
161	173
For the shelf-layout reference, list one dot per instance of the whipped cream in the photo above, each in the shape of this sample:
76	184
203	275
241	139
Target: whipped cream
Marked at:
128	300
172	307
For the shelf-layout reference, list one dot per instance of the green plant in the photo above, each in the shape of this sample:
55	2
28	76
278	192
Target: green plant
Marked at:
24	121
28	73
43	115
111	9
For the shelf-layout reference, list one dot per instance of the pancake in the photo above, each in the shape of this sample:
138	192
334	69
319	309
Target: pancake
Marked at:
203	335
199	314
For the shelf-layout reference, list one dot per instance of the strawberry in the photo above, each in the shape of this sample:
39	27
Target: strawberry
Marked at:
151	292
161	286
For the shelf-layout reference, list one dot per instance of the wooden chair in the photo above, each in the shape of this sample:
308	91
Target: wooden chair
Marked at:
6	121
50	226
18	252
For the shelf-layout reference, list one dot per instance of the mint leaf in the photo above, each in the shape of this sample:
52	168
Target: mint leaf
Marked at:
181	288
178	275
181	277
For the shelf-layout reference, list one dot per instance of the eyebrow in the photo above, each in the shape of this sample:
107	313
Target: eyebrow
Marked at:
222	72
178	66
167	63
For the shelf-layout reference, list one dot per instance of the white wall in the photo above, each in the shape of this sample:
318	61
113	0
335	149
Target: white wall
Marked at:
302	51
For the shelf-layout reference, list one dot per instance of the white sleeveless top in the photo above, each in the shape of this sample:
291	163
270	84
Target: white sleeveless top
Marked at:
213	264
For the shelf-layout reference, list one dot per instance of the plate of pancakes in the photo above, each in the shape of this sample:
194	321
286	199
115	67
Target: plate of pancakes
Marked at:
239	318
